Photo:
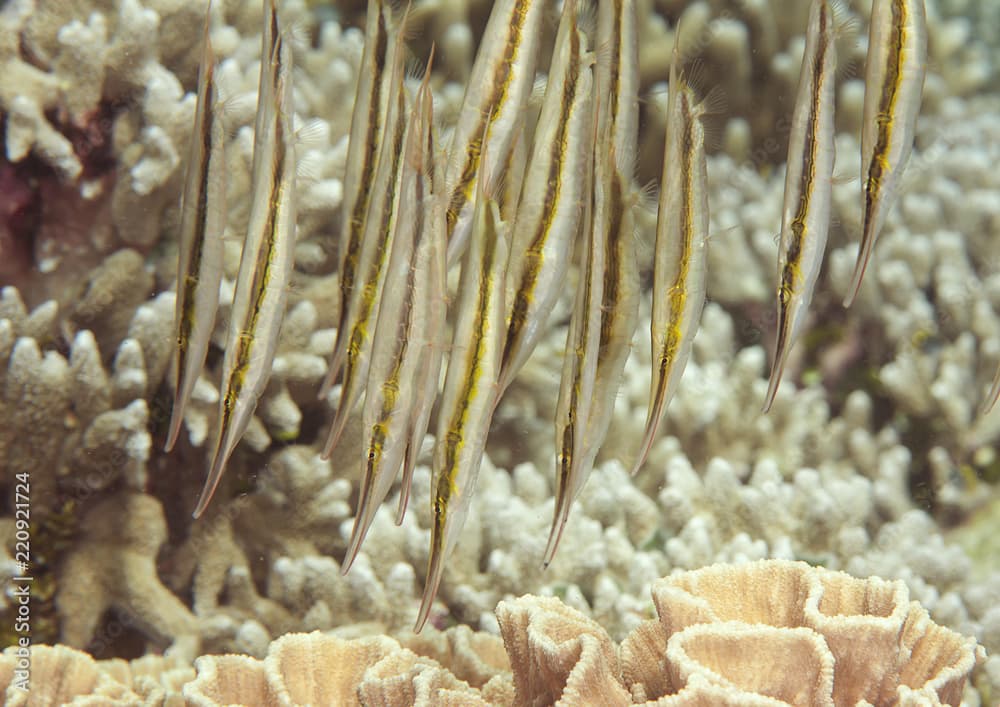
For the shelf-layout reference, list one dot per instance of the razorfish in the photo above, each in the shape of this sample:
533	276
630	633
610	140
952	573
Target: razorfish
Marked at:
367	120
492	112
805	217
553	195
429	363
203	220
470	388
680	263
606	309
894	80
267	261
354	345
405	328
616	75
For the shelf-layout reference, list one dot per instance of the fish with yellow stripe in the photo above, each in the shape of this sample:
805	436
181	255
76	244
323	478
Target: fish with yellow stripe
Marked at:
805	218
267	261
354	342
368	118
410	317
203	220
492	112
470	388
894	80
606	309
616	76
680	264
436	304
553	195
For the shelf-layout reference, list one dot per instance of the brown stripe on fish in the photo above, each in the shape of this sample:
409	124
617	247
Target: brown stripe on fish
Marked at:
501	80
356	219
534	256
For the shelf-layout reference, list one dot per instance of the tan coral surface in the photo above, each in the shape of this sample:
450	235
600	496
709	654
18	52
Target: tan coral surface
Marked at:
771	632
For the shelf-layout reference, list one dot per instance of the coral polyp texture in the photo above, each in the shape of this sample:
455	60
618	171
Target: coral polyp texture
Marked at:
770	632
875	464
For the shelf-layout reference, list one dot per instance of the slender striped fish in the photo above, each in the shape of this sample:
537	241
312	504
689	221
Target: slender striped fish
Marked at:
617	71
606	309
808	182
679	270
600	338
403	328
429	366
493	108
367	121
553	196
894	80
355	344
267	261
470	388
579	370
203	220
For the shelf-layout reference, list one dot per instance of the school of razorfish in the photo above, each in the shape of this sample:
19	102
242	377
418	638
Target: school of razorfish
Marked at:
512	216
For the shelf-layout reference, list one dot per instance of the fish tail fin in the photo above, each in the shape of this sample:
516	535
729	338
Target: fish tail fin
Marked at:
777	367
223	449
772	384
435	569
176	418
333	371
864	254
657	406
564	501
409	462
339	423
362	519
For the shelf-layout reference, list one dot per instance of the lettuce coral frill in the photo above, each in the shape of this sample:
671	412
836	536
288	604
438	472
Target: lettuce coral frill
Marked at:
767	633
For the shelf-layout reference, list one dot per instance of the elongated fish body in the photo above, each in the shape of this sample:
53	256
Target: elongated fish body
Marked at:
606	308
429	366
894	80
493	108
616	73
619	316
808	182
617	27
599	341
203	220
367	121
470	389
679	270
355	344
615	315
553	197
394	386
267	261
579	370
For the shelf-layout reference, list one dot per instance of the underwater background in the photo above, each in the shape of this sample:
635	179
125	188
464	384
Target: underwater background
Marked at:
874	460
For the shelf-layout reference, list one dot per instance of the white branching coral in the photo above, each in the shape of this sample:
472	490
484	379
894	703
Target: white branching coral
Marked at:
69	423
